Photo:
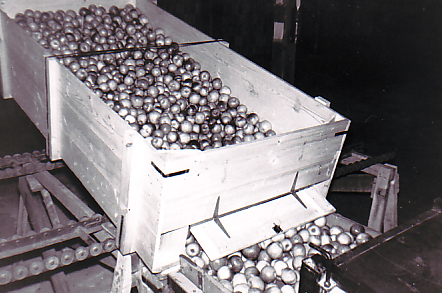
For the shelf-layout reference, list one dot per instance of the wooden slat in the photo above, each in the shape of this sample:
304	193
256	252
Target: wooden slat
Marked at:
185	159
141	222
380	197
78	208
226	173
5	77
202	206
96	184
169	248
24	78
256	223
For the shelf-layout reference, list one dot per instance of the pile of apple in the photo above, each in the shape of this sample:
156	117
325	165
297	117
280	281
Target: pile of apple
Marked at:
141	73
273	265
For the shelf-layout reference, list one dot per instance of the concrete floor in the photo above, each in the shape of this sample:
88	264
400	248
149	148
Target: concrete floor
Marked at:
387	81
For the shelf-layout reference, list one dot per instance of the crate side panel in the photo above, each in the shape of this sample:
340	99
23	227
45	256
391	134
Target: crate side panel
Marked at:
258	166
172	161
144	206
256	224
25	72
248	177
96	150
181	211
96	184
291	109
91	133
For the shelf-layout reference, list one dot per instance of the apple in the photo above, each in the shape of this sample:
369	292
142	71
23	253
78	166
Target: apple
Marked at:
343	238
315	240
296	239
289	276
362	238
251	252
273	289
218	263
335	230
263	255
256	282
224	273
250	272
275	250
279	265
239	278
248	263
241	288
198	261
227	284
356	229
342	249
290	233
314	230
235	263
278	237
305	234
298	250
286	244
261	264
268	274
193	249
288	289
297	262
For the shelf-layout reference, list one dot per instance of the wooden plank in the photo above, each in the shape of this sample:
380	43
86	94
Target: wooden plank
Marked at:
5	77
96	184
22	218
53	141
378	207
182	284
93	147
255	224
172	161
353	183
143	206
221	173
122	281
199	277
390	219
78	208
171	245
202	206
24	78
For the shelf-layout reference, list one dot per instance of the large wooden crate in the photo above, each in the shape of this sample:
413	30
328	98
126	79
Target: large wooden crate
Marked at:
154	196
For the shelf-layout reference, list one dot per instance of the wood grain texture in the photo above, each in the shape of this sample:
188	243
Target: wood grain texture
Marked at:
23	72
255	224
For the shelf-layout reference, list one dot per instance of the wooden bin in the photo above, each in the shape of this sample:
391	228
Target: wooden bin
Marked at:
154	196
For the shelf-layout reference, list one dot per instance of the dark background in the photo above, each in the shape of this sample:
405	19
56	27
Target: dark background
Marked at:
377	62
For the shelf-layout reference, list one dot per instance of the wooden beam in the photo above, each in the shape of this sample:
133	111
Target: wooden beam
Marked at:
71	201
